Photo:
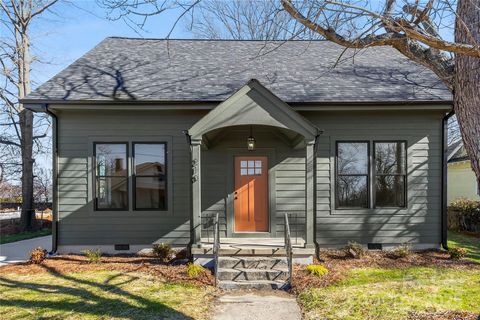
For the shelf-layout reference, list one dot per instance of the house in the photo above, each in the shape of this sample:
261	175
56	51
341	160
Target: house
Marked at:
462	182
153	138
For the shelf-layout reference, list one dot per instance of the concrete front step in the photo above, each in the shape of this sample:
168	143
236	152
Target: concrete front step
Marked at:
258	284
252	262
253	251
240	274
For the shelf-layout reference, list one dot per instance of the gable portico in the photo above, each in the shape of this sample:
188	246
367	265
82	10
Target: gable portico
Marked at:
256	108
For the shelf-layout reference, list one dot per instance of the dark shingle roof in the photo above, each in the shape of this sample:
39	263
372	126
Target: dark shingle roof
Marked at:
211	70
457	152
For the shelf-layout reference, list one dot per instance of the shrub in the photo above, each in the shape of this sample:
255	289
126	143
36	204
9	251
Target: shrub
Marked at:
457	253
37	255
401	251
464	215
354	250
316	269
163	251
195	270
93	256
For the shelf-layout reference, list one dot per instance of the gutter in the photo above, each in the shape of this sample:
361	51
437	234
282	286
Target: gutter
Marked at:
43	108
444	224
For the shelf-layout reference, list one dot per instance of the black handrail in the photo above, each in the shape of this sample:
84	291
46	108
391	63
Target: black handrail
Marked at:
216	245
288	250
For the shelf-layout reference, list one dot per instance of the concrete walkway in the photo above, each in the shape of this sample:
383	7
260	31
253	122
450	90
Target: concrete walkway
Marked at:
257	306
20	250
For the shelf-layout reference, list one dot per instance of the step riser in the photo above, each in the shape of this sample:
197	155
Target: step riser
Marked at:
252	264
237	275
233	285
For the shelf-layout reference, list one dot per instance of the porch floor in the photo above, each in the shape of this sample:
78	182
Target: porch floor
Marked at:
247	243
253	247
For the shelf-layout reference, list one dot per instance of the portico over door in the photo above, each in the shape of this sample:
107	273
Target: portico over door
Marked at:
253	105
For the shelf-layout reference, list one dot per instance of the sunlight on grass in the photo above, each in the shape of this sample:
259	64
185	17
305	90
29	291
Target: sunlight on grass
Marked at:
100	295
393	293
471	243
7	238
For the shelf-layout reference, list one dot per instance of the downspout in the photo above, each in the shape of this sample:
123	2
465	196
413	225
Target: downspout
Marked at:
189	141
43	108
444	224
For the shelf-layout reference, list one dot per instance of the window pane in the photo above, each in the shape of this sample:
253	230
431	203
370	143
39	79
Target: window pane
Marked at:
149	159
243	164
352	191
352	158
243	172
111	159
150	193
390	191
112	193
390	157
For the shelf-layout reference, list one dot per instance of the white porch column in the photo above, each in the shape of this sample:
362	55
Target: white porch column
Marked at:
196	192
310	194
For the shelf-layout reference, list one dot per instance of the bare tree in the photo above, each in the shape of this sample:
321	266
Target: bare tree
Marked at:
419	30
21	132
244	20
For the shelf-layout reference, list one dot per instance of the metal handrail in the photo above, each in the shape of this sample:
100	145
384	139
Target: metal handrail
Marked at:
216	245
288	250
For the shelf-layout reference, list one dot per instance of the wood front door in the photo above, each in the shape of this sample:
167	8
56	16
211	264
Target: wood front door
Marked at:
251	194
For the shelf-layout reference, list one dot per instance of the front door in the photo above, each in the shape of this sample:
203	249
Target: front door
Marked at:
251	194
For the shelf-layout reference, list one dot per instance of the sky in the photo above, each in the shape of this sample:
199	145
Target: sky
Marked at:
61	37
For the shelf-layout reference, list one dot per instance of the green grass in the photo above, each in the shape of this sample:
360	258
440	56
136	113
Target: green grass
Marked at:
24	235
99	295
471	243
392	294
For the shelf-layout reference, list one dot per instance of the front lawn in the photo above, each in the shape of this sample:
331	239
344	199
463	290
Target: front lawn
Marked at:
7	238
374	293
117	288
469	242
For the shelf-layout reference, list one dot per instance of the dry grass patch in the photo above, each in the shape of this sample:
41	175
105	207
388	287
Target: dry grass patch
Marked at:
69	287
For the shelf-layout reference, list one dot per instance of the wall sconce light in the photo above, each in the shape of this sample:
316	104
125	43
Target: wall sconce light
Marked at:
251	141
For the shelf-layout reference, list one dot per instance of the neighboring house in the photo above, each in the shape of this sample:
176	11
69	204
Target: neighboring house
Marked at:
462	181
348	143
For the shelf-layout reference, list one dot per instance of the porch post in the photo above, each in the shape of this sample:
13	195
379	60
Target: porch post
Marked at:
196	192
310	181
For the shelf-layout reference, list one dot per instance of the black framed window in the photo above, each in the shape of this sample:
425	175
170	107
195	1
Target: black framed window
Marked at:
390	173
352	174
150	176
111	176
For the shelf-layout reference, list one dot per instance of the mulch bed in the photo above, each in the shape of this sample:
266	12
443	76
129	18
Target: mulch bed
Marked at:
77	263
338	264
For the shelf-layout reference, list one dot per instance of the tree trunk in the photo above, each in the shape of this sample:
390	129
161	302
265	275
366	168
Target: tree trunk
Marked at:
26	126
28	210
467	80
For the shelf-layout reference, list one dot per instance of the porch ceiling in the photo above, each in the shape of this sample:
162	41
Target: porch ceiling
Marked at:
253	104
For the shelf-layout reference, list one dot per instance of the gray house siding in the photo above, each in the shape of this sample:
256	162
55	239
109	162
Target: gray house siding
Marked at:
80	225
420	222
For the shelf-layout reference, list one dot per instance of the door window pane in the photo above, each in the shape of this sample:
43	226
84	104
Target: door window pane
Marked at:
150	179
111	192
